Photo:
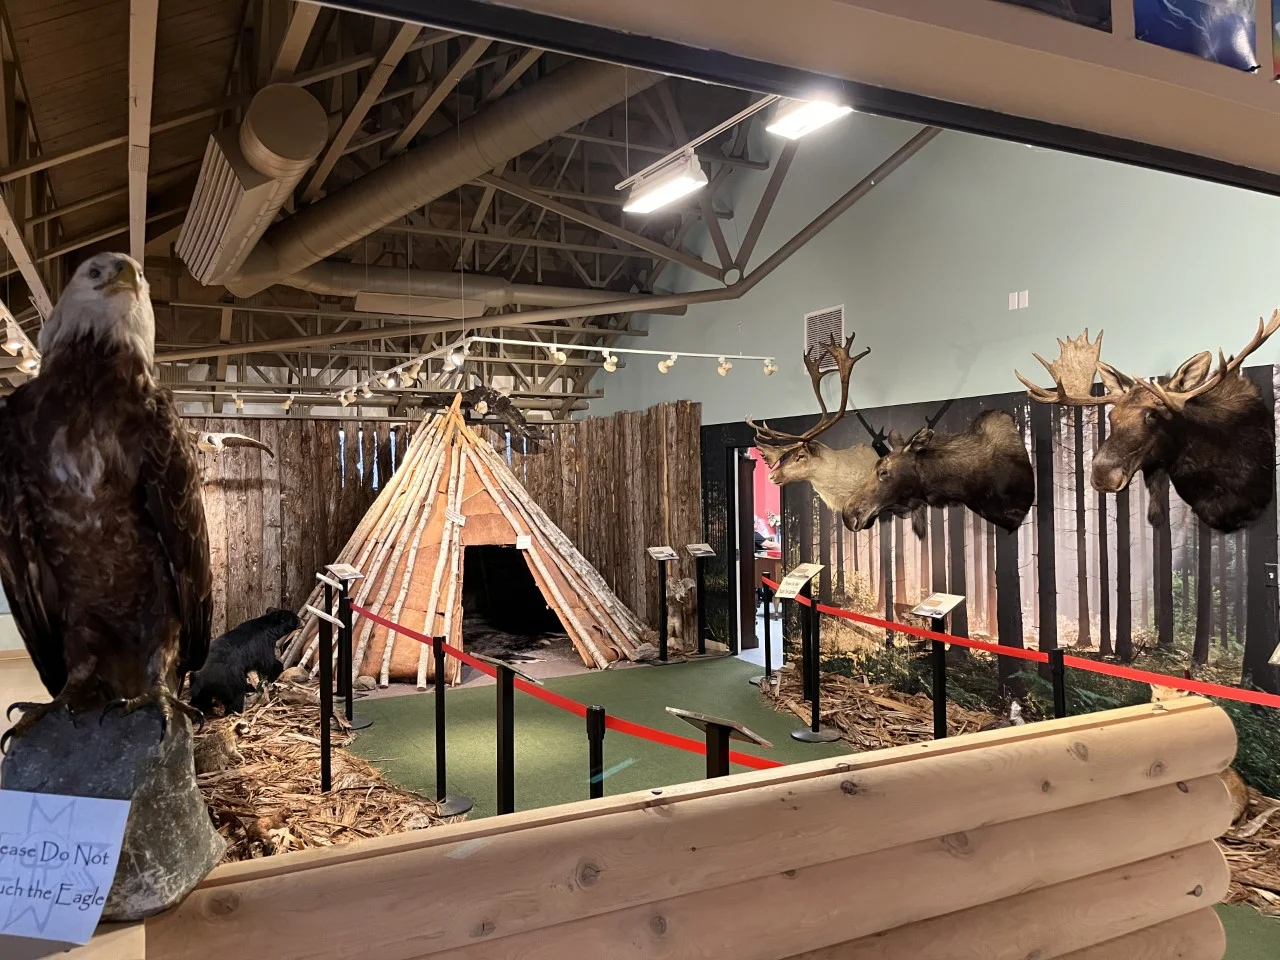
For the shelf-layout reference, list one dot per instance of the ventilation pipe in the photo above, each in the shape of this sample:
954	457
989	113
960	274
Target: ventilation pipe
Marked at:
247	174
439	294
514	125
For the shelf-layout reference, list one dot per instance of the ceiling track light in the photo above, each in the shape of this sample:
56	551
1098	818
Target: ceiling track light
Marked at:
610	362
795	118
723	367
239	401
456	357
665	186
13	341
365	391
770	368
30	362
286	404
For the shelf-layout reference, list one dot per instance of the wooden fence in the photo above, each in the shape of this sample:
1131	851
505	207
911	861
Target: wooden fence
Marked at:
616	485
274	521
1089	838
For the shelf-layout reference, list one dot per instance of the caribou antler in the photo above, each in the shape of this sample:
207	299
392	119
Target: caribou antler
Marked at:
1176	400
813	363
1073	374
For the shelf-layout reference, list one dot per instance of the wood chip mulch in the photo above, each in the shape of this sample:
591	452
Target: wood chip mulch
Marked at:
1252	849
260	776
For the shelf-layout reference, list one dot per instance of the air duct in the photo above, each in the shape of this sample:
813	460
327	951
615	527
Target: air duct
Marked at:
514	124
246	175
427	293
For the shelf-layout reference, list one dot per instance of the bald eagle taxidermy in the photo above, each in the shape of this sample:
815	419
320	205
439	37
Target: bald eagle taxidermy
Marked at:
104	551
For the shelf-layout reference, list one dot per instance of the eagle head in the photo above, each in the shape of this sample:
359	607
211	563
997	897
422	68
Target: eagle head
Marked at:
107	300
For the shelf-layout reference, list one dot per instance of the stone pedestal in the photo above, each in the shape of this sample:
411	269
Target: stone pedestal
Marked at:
169	841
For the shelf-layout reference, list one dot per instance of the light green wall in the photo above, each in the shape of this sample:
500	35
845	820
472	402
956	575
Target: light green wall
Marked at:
924	265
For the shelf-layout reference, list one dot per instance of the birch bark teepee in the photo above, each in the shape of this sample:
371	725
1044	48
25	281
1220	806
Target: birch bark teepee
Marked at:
451	492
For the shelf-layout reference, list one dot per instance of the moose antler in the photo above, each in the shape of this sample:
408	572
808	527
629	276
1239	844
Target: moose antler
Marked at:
1073	374
1176	400
813	363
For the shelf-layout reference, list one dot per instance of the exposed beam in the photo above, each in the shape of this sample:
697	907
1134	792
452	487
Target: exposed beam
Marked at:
514	73
337	69
220	375
509	239
398	47
295	41
105	234
780	168
17	246
105	195
709	155
142	69
709	217
605	227
461	67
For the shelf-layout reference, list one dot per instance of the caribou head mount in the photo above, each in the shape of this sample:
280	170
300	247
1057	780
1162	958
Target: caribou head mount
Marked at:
985	468
1207	429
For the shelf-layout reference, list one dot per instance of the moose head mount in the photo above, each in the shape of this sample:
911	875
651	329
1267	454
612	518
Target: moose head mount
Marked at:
985	468
1208	431
793	458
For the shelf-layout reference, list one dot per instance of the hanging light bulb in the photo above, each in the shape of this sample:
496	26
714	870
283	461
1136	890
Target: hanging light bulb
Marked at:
365	391
610	362
724	367
770	368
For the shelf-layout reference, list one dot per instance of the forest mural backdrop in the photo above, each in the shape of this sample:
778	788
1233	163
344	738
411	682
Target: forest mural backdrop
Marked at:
1083	570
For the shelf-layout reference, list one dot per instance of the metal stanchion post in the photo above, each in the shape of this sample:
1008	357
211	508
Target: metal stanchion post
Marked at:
806	652
447	804
595	751
1058	674
699	563
768	641
327	623
506	675
815	732
662	611
345	666
939	681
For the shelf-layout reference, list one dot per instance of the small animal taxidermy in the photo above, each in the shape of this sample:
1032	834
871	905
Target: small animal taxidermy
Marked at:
1207	430
986	469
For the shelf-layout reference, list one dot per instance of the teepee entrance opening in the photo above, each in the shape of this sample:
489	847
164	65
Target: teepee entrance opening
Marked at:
504	610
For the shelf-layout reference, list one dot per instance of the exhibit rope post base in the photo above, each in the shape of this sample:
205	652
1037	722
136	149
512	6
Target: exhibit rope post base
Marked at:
767	676
595	751
346	668
447	804
939	625
815	732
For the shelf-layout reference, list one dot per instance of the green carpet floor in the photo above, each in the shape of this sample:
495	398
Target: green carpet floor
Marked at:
551	748
551	745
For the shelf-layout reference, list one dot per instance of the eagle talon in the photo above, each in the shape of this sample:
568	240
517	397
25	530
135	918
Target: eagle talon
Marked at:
24	707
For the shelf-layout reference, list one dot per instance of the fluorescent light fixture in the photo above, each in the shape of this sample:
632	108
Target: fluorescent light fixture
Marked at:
681	178
795	118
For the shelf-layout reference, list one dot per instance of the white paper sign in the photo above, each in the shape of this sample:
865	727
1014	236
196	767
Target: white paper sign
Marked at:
58	856
663	553
523	541
700	550
797	578
937	605
453	516
1275	656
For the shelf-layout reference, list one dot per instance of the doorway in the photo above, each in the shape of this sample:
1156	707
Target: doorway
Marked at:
756	532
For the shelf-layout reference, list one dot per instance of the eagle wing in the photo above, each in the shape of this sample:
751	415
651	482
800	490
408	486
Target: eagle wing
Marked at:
22	570
170	480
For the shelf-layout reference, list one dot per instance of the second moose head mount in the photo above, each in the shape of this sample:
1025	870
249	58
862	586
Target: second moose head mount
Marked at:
1208	430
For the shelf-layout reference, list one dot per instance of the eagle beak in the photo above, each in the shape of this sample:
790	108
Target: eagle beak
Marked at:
126	278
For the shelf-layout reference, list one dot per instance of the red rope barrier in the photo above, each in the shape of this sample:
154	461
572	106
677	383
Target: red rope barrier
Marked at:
638	730
1080	663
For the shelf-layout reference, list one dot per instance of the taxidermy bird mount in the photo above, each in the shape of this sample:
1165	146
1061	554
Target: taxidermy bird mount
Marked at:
104	555
215	443
488	402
